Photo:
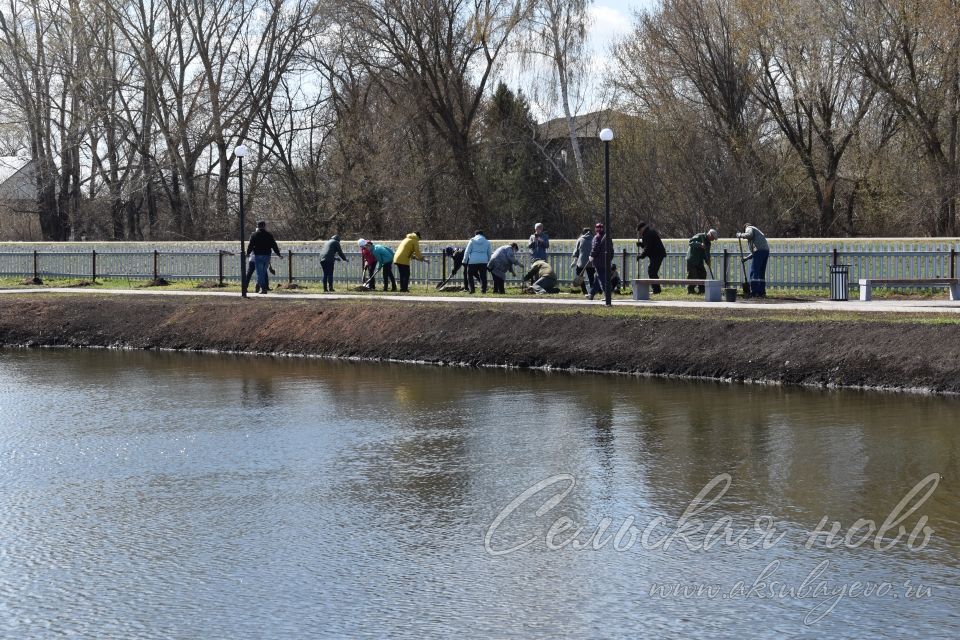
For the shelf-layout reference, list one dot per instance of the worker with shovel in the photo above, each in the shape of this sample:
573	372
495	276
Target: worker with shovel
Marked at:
368	263
650	246
601	255
384	256
330	254
698	258
759	253
409	249
502	262
581	261
476	256
455	253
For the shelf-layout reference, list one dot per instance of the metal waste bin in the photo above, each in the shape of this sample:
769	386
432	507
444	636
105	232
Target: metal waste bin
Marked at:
839	281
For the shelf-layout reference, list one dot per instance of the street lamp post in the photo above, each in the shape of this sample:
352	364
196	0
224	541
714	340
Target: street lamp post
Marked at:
240	152
606	135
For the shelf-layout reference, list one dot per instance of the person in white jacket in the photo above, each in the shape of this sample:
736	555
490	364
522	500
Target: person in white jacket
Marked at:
476	256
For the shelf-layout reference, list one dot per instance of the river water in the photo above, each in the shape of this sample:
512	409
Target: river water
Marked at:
200	496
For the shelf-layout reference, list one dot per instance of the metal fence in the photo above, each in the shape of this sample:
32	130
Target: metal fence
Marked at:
792	264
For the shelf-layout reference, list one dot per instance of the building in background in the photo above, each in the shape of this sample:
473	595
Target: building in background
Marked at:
19	219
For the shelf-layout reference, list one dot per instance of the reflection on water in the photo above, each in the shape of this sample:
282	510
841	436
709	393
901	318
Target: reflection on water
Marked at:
172	495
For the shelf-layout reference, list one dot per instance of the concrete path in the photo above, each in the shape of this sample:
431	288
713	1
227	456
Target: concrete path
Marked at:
888	306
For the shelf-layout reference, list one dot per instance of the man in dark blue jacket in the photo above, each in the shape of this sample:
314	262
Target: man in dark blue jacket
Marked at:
260	245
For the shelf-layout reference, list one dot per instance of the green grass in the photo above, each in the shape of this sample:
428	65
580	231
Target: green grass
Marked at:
669	293
632	312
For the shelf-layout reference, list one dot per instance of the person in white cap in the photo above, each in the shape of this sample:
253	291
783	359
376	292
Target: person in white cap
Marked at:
698	257
368	262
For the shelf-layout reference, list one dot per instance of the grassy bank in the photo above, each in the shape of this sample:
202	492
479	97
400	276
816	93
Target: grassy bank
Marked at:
774	294
815	348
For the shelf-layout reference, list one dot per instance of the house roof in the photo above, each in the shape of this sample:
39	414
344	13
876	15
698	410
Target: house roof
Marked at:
587	125
10	165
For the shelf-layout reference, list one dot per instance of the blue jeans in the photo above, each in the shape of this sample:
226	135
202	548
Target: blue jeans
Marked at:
598	280
758	272
262	263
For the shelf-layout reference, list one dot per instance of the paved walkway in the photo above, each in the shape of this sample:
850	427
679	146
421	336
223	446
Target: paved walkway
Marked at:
887	306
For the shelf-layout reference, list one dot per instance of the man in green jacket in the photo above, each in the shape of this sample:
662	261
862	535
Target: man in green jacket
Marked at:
698	257
542	278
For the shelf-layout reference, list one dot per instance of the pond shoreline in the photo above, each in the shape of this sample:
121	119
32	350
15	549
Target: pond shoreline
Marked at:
820	352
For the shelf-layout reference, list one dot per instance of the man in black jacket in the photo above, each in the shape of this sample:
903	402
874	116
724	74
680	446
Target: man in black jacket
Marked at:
260	245
457	254
651	246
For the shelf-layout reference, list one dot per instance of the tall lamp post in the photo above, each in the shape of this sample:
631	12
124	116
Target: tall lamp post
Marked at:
240	152
606	135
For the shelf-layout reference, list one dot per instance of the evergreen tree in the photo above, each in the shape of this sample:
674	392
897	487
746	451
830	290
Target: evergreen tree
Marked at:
512	170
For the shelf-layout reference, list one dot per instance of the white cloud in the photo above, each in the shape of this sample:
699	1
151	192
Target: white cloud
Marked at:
608	24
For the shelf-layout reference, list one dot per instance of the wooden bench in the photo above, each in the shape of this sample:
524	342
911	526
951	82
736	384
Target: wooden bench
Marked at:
867	285
712	288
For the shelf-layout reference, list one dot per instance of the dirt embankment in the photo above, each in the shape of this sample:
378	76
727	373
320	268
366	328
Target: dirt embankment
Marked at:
849	353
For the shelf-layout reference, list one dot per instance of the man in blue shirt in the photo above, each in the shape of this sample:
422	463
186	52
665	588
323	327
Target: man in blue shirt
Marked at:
539	242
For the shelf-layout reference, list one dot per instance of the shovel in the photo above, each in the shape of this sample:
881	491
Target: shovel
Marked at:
366	284
446	280
743	265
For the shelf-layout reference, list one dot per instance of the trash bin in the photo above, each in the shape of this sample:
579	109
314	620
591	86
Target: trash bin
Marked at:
839	281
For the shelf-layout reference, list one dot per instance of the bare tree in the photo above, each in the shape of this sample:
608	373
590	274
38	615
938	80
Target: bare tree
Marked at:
442	53
808	81
910	49
557	34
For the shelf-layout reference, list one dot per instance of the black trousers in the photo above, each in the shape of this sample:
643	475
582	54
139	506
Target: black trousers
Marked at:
404	271
478	272
370	275
327	274
653	271
498	284
388	276
466	278
696	271
251	269
591	274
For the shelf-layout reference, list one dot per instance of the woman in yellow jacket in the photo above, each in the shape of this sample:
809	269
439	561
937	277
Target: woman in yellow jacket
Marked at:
409	248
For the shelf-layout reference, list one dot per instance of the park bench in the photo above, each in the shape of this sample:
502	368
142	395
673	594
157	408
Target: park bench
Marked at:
867	285
641	287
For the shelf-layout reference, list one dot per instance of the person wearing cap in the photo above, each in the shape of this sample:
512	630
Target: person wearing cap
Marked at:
384	256
581	259
260	245
539	243
601	255
457	253
329	254
409	249
476	256
759	253
502	261
368	263
698	257
651	247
